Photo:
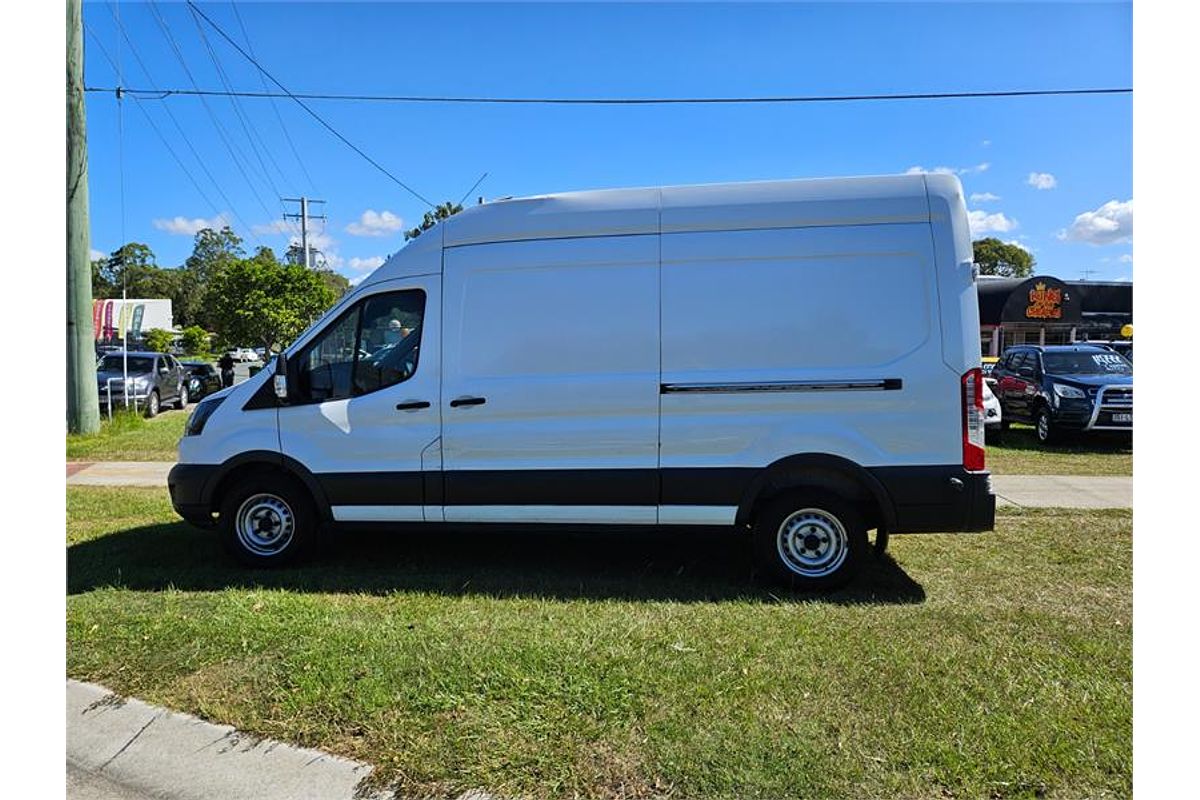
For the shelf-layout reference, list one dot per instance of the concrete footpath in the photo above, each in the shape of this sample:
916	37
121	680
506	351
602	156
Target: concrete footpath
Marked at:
1025	491
125	749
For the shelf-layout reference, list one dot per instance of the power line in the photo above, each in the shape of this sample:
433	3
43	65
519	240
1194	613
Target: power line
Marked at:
178	127
274	106
158	94
237	160
305	106
247	125
162	137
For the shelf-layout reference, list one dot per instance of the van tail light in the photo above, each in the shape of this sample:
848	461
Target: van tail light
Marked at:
972	416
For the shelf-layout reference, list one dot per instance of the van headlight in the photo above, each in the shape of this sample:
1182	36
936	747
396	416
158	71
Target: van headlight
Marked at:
200	414
1068	392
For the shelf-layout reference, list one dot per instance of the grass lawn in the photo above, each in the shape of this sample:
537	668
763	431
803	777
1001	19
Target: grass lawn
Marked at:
994	665
1017	452
131	438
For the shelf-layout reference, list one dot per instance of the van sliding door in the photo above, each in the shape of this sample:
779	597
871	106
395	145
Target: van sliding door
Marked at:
551	381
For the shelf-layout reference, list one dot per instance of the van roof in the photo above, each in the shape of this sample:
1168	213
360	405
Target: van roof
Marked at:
708	207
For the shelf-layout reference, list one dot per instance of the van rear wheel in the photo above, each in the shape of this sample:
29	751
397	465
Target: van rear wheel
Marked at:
268	520
810	541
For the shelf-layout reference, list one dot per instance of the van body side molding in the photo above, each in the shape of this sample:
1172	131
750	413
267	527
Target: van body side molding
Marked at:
871	385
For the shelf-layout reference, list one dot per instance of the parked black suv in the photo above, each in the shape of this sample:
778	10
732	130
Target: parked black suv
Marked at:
1065	388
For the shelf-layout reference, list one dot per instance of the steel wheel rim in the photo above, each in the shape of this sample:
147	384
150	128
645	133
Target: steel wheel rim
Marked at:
265	524
183	396
1043	427
153	407
812	543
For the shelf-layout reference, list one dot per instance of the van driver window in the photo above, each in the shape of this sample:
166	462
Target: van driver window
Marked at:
327	363
372	347
391	338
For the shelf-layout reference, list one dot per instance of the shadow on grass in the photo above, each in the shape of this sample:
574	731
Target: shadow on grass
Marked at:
691	566
1021	438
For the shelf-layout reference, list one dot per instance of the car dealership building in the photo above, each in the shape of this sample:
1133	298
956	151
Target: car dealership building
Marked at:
1046	310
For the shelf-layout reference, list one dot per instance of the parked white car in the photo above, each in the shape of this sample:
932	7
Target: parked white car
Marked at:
243	354
797	361
991	408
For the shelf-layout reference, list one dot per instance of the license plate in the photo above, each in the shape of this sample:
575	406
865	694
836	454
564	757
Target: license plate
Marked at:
1123	418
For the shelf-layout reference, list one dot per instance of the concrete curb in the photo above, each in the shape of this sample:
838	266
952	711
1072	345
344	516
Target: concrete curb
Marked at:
166	754
1064	491
119	473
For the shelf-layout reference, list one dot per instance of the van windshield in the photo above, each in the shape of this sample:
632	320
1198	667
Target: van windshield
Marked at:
1086	364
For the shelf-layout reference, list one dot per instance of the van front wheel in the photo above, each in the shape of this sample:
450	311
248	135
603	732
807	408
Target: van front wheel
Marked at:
810	541
267	520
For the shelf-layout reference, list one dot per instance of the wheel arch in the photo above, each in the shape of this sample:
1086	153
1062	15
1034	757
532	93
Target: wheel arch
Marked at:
822	471
244	464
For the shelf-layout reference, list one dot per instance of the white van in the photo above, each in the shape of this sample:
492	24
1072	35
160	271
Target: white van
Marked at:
795	359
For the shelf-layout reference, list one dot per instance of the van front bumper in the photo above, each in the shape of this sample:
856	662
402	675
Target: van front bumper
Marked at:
939	499
191	491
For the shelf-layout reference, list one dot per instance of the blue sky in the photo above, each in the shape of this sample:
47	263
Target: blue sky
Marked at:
1054	174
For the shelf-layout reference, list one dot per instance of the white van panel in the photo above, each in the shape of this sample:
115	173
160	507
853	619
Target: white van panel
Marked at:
794	204
956	277
779	342
561	339
777	304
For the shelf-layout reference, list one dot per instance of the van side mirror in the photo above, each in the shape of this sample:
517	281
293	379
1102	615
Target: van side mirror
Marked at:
1025	372
280	378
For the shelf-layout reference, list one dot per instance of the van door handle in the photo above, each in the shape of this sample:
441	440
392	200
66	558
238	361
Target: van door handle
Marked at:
412	405
467	401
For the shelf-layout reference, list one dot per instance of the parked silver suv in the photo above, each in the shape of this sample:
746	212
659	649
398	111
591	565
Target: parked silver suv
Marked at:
154	379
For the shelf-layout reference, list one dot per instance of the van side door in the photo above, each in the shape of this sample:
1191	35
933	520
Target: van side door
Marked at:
551	381
363	413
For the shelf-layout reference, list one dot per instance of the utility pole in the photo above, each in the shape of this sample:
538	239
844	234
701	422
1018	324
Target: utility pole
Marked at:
83	403
304	217
1087	273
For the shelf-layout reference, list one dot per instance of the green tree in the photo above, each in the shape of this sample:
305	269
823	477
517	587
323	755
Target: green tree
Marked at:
194	340
338	283
158	340
261	301
212	251
995	257
443	211
111	273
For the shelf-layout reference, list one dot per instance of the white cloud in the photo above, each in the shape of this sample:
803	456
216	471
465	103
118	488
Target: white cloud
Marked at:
277	226
983	222
986	142
1126	259
357	264
1110	223
984	197
355	281
182	226
1020	244
980	167
94	254
1041	180
375	223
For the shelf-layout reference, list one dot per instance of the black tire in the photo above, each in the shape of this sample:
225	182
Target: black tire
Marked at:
153	404
1043	426
182	402
278	520
834	542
